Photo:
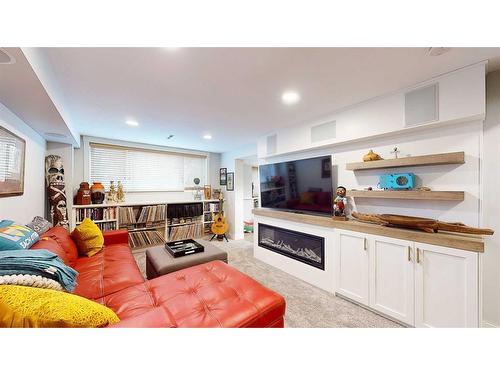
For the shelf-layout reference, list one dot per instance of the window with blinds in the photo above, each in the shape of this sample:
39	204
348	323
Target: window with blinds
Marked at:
9	159
145	170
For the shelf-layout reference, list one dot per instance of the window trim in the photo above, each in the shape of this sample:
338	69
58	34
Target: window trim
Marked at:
112	143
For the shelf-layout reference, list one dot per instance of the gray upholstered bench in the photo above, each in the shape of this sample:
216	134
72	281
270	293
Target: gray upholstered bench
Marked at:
160	262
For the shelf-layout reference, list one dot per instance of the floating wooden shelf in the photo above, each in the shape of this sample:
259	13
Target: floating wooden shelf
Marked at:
434	159
408	194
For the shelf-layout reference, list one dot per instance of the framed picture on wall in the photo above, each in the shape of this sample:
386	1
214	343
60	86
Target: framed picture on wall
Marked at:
12	153
223	176
230	181
326	168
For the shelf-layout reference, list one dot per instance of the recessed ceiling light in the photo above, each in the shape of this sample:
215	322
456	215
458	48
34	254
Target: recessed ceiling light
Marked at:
207	136
290	97
6	58
55	135
132	123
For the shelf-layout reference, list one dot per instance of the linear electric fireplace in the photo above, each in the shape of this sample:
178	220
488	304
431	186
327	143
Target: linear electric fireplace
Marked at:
303	247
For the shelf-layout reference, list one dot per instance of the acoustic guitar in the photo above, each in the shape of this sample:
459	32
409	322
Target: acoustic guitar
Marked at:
219	226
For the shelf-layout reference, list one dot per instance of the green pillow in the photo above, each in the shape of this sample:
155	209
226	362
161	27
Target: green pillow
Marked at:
15	236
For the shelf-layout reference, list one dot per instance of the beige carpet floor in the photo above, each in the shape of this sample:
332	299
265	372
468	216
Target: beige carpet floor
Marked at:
307	306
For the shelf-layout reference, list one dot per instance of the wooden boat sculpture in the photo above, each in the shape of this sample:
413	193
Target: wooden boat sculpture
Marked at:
422	223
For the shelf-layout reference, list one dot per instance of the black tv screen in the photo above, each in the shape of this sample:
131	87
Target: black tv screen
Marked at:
300	185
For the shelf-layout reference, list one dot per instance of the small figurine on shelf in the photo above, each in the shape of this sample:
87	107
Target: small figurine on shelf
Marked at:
111	196
339	204
395	151
371	156
120	195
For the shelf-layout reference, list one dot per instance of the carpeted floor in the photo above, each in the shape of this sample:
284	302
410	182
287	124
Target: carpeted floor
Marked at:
307	306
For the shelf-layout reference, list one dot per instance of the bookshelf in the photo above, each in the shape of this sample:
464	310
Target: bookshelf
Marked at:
151	223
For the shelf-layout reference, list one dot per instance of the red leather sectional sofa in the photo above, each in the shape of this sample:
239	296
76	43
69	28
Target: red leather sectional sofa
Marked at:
209	295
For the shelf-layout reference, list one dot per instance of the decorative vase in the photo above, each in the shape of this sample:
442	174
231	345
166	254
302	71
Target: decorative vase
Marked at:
98	193
84	195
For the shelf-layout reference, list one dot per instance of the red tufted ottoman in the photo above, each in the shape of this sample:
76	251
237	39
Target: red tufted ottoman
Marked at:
213	294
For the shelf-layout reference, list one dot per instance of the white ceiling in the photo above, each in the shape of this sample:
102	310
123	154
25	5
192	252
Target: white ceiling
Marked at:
23	94
231	93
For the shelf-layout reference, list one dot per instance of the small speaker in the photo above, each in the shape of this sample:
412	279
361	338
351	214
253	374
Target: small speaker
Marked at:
421	105
324	131
272	141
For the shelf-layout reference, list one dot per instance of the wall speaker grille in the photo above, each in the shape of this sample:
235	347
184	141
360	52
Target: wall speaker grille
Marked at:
272	141
421	105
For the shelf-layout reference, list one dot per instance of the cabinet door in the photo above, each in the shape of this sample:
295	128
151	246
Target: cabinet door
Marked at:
446	287
351	260
392	278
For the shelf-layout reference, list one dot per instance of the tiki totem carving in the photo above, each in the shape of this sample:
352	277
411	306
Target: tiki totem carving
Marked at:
56	190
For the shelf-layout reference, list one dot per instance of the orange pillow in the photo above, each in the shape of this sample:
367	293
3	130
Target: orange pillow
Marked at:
88	238
53	246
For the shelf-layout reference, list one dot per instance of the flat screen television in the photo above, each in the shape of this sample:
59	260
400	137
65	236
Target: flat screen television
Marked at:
301	185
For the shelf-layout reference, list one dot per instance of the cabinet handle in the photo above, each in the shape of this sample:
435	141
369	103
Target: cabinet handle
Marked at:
418	255
409	253
366	244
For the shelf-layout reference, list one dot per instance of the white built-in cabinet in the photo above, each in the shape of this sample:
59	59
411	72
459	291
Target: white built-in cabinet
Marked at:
352	266
418	284
391	274
446	287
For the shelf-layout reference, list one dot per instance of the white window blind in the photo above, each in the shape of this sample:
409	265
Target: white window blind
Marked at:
145	170
9	159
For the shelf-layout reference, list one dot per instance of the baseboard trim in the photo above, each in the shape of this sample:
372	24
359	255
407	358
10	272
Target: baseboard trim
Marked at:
373	310
489	325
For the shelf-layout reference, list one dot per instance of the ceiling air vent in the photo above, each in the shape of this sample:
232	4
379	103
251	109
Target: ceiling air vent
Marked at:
5	57
324	132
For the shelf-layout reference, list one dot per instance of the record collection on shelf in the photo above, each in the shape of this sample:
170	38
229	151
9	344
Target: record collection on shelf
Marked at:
182	232
108	213
145	238
148	216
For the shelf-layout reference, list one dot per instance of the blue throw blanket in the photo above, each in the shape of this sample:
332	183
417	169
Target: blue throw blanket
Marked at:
37	262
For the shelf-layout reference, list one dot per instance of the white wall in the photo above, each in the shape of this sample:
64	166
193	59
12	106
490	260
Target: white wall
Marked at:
32	203
491	206
233	204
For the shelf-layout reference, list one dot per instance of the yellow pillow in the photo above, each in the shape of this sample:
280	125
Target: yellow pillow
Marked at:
88	238
307	197
28	307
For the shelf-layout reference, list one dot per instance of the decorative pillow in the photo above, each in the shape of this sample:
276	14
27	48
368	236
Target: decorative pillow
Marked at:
35	281
63	238
15	236
307	197
53	246
39	225
88	238
22	306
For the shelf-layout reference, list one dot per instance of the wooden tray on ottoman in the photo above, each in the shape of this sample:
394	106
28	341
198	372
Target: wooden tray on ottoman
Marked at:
184	247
